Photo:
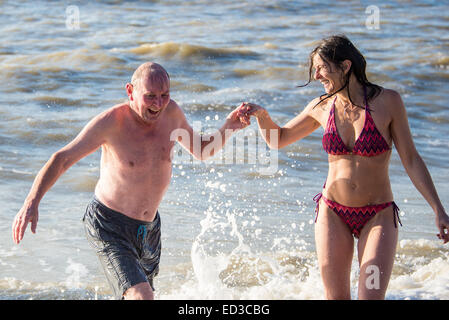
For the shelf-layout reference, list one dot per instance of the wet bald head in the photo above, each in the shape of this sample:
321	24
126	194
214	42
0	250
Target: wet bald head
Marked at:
150	71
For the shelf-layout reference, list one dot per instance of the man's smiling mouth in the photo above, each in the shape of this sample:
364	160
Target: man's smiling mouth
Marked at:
154	112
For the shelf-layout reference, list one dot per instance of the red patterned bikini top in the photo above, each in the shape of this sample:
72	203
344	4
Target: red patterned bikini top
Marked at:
370	142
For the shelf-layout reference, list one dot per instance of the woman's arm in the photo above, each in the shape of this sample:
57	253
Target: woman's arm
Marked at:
413	163
278	137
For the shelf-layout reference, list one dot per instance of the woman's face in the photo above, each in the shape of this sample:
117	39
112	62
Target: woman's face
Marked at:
330	76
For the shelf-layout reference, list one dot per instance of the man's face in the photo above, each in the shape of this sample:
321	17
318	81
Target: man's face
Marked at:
150	98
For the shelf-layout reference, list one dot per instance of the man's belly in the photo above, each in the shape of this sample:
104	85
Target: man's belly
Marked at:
136	198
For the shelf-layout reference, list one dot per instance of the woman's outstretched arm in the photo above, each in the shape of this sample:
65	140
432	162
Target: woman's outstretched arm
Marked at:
278	137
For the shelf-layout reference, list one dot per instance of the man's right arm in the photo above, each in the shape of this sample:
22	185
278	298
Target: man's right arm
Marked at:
91	137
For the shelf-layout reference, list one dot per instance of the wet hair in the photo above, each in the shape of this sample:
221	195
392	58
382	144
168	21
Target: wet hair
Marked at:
336	49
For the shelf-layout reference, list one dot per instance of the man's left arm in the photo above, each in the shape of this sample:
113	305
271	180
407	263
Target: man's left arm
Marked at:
204	146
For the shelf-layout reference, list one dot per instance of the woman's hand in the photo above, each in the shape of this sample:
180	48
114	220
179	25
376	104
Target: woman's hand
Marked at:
442	222
28	213
251	109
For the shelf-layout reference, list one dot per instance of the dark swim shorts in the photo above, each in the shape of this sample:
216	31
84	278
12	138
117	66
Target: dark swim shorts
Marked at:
129	250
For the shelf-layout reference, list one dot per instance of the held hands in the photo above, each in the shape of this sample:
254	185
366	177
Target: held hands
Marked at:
240	117
235	121
246	110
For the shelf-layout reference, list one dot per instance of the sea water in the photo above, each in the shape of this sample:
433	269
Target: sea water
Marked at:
228	230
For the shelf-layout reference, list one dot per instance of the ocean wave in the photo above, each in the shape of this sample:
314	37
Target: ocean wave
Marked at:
441	62
284	272
53	123
53	101
189	51
78	59
422	248
434	76
294	274
16	289
52	71
81	182
32	138
283	73
190	107
191	87
15	174
420	271
379	78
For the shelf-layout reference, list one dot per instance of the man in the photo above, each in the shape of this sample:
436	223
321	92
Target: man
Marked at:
122	222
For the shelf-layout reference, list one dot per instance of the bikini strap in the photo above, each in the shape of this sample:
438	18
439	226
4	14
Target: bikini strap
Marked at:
333	103
317	198
396	215
365	97
330	123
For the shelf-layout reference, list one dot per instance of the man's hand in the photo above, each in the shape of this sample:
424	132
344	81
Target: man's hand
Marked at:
236	120
247	110
28	213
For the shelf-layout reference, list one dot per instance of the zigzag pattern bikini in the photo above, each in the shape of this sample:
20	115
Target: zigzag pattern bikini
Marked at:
370	143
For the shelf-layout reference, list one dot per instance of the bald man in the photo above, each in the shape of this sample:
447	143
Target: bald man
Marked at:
122	222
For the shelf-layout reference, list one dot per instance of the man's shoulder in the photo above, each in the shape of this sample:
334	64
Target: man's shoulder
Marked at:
174	111
175	115
173	107
117	109
114	113
111	117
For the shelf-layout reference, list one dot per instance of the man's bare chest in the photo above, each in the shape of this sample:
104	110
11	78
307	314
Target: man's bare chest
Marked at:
134	150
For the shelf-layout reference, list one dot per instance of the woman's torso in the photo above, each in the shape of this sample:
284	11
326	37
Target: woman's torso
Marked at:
359	151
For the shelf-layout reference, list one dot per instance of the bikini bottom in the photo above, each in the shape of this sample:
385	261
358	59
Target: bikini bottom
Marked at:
356	217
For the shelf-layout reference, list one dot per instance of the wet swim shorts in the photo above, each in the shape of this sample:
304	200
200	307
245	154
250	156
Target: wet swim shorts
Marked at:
129	250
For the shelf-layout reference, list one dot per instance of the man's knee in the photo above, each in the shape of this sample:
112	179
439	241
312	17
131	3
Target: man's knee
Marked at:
141	291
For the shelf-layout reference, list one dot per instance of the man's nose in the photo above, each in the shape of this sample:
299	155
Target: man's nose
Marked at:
158	102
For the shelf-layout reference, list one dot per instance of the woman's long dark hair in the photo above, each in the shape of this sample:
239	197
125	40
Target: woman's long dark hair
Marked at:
336	49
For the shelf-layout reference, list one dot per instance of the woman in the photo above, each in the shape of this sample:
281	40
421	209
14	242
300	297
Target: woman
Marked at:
361	121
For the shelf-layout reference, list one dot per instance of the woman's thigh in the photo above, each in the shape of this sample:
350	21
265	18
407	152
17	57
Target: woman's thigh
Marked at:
376	251
335	248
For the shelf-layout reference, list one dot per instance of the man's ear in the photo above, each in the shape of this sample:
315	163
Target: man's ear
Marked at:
129	91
